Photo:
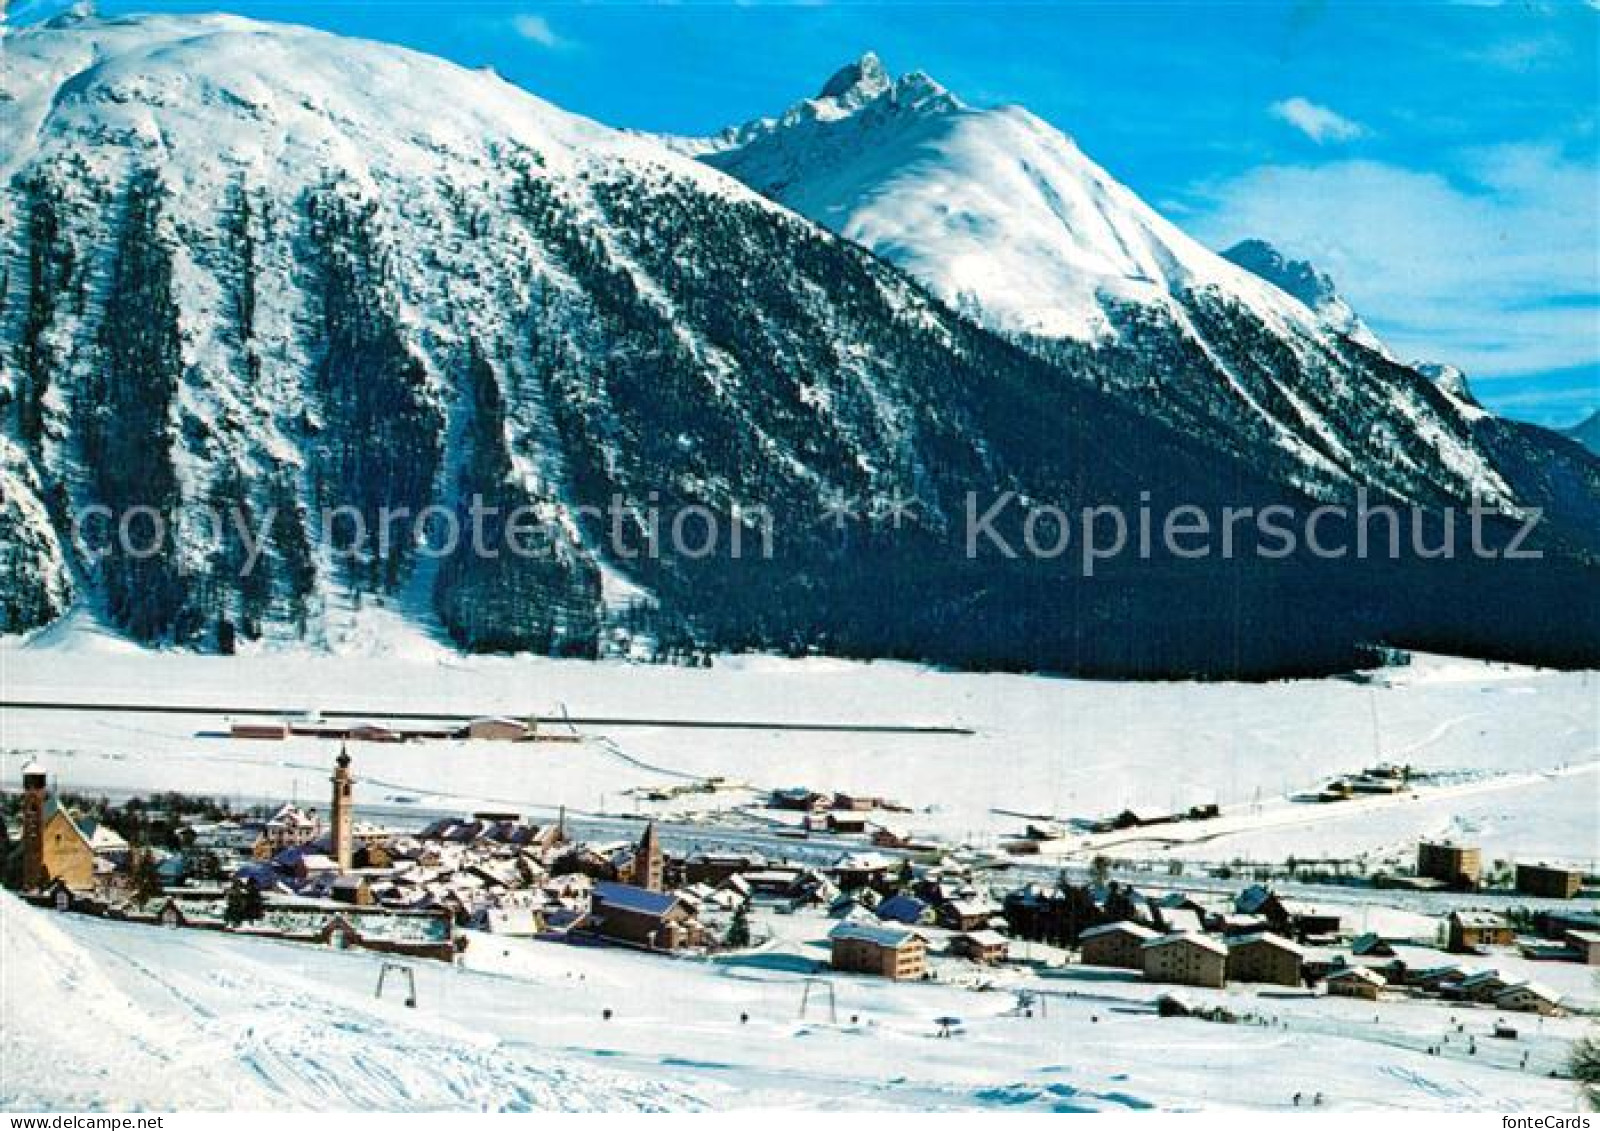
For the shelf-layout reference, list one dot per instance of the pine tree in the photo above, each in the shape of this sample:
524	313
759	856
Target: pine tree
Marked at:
738	935
142	873
1584	1061
244	904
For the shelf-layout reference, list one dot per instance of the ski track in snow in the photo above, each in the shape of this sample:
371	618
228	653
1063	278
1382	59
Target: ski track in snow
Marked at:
216	1024
198	1019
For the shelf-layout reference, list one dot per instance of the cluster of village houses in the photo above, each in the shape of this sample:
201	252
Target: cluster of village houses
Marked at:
347	883
1039	835
1258	937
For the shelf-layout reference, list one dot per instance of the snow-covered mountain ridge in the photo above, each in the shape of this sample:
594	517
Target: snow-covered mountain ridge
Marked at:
997	211
262	267
1004	217
273	269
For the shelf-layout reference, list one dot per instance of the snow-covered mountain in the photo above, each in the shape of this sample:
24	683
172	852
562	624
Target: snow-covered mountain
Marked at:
1316	289
1002	215
863	85
281	271
996	211
1303	281
313	280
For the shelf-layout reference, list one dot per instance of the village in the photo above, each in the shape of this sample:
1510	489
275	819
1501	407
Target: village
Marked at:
863	901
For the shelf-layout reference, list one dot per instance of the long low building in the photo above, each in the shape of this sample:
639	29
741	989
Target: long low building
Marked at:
1356	981
419	934
1548	881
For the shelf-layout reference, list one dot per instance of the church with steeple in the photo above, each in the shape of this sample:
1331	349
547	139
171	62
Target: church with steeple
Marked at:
343	831
60	845
649	863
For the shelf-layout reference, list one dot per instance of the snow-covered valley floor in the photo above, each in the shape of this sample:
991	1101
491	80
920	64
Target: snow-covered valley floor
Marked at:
97	1014
1516	749
191	1018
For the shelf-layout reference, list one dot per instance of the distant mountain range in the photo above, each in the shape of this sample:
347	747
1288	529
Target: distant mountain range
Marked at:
263	268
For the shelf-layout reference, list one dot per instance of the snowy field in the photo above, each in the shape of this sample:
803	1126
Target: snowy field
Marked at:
1520	747
194	1019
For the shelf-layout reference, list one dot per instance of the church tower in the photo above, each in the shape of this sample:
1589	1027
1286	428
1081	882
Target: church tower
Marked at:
649	867
343	817
33	800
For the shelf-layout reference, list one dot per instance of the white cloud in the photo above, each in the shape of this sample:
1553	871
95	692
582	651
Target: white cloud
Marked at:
1496	270
536	29
1318	123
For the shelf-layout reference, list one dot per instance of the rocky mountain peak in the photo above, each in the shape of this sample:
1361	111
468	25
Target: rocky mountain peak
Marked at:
864	78
1295	277
1449	380
1300	279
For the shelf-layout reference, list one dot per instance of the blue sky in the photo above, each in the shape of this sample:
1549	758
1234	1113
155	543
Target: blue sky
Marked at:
1439	160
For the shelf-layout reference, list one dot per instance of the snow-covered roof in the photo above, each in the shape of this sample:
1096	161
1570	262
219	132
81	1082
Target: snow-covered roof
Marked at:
1136	930
863	862
856	913
906	908
1181	919
1358	974
987	938
879	936
1300	908
1205	942
626	897
966	907
1267	938
1534	988
101	837
769	876
291	816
